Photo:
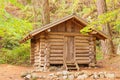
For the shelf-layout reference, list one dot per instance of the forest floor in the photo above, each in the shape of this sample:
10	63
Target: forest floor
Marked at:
12	72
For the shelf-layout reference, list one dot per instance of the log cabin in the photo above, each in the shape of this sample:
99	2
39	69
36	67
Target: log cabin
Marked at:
61	43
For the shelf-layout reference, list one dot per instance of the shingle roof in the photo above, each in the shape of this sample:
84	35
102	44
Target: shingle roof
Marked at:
37	31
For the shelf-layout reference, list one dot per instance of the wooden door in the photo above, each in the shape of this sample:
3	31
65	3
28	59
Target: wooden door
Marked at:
69	49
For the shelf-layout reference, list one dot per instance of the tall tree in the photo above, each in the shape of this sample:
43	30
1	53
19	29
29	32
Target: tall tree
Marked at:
45	12
46	20
36	10
107	45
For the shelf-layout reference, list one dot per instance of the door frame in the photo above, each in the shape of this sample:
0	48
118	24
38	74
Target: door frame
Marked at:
65	48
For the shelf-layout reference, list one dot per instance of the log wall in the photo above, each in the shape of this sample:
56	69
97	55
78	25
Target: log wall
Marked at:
82	49
52	44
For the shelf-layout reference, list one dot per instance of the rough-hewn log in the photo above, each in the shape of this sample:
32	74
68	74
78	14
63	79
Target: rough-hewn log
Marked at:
56	55
56	62
82	55
83	61
82	58
82	51
68	34
32	51
92	51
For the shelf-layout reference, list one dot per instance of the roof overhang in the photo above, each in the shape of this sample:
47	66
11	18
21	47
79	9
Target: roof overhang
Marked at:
98	34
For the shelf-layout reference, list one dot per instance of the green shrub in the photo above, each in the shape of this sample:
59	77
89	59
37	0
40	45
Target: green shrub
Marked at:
99	54
19	55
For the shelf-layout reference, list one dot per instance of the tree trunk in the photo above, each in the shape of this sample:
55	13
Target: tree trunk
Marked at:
45	12
107	45
46	20
36	10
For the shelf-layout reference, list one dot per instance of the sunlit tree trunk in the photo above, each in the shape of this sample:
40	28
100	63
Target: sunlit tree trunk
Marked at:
46	20
107	45
36	12
45	12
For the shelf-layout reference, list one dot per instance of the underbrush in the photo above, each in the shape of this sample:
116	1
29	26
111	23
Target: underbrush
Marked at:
99	54
19	55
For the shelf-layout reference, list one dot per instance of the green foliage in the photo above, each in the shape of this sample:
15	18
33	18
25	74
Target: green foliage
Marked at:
19	55
109	17
12	30
86	29
99	55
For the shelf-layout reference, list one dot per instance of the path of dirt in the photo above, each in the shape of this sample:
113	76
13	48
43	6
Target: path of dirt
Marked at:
11	72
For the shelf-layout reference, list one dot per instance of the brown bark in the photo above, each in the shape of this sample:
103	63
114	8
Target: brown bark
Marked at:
107	45
46	20
36	6
45	12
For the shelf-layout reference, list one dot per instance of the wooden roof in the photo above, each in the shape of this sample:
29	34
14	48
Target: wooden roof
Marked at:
98	34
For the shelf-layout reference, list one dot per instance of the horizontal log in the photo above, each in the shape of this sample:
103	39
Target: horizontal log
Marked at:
82	55
56	62
42	44
57	44
37	64
42	62
56	47
55	37
40	55
82	38
42	47
56	55
67	33
52	40
82	58
56	58
36	56
82	48
82	44
37	59
82	51
32	59
55	51
83	61
55	40
81	41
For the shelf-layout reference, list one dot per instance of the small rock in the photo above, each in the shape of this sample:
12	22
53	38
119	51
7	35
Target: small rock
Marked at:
71	77
41	69
42	77
34	77
24	74
101	74
65	73
28	77
65	77
76	74
82	77
96	76
52	74
110	75
59	74
81	73
85	76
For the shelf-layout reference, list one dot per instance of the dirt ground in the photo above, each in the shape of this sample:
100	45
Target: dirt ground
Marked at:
12	72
